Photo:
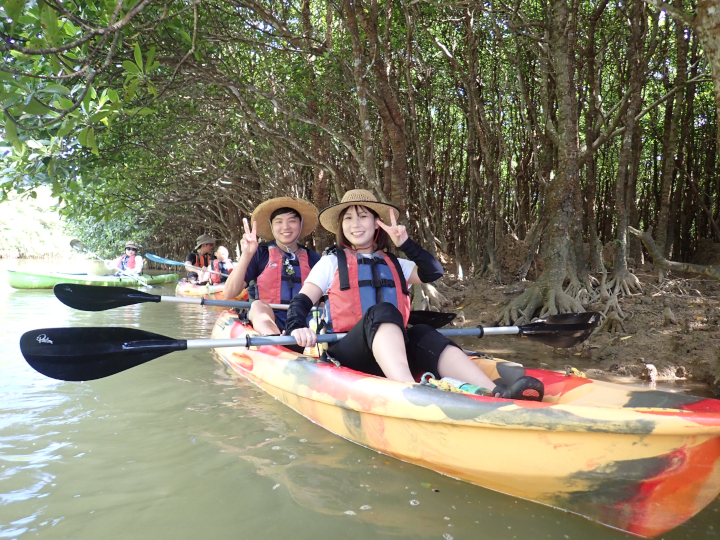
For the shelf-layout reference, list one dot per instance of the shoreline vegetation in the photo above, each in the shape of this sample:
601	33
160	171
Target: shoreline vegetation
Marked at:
31	229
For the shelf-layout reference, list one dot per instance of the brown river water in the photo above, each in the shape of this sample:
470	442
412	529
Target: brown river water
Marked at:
182	448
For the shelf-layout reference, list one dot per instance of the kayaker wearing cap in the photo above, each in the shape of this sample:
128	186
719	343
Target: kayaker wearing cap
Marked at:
223	264
278	267
202	258
368	298
129	263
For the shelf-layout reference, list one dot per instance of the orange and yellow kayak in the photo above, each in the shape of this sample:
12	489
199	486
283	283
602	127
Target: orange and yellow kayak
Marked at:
636	459
188	289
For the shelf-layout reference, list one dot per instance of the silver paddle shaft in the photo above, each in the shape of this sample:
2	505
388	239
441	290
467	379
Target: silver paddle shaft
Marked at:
259	341
218	303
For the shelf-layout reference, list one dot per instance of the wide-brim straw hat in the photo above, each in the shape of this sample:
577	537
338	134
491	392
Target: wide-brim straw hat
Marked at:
330	216
131	245
204	239
307	210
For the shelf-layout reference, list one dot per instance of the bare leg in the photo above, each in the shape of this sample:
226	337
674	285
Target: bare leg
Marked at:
262	318
456	364
388	348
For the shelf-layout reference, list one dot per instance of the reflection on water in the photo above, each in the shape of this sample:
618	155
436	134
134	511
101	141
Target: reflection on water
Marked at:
180	447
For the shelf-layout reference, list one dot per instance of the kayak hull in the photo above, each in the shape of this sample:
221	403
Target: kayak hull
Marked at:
638	460
187	289
30	280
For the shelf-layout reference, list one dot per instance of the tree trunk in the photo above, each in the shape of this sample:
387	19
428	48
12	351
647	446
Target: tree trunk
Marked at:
668	171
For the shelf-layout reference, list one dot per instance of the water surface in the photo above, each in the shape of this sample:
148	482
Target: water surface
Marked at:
181	448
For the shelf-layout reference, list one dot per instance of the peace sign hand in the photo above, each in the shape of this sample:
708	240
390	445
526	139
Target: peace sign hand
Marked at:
249	242
398	234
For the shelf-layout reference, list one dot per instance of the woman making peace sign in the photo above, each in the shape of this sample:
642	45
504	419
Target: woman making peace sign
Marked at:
368	298
278	268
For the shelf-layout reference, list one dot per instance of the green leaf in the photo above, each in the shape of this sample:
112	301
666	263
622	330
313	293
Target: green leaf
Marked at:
149	65
35	107
130	67
66	127
14	8
113	95
49	23
90	140
65	103
82	136
56	89
138	57
11	134
98	116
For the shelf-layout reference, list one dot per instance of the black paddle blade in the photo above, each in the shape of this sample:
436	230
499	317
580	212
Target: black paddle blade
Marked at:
77	244
85	354
435	319
98	298
562	331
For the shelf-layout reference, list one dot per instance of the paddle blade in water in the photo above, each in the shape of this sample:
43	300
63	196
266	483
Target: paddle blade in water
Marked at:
95	298
431	318
85	354
562	331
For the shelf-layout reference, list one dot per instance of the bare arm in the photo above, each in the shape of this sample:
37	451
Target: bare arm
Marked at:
249	245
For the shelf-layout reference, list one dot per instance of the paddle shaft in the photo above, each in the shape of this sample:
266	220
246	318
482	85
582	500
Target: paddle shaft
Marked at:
259	341
217	303
163	260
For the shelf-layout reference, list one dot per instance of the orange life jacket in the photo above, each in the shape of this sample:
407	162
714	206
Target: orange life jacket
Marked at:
361	282
278	284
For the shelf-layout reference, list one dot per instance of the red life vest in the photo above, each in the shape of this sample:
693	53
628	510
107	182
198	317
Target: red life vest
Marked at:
275	285
127	262
361	282
228	268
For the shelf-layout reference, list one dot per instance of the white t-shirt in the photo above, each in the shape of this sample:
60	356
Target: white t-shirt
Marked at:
323	273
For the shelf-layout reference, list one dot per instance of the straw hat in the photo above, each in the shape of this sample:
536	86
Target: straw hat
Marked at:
204	239
131	245
330	216
262	213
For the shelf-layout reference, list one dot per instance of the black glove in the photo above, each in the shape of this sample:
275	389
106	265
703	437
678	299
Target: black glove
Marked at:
297	314
429	268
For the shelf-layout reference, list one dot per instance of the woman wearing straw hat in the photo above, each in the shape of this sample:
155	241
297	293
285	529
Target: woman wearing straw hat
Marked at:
368	298
278	267
201	257
128	263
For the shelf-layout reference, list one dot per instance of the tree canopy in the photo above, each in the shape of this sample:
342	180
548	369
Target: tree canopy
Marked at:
551	123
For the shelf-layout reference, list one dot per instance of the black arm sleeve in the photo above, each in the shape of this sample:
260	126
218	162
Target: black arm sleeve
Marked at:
297	313
429	268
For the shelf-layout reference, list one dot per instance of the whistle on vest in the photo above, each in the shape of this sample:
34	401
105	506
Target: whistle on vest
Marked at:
289	270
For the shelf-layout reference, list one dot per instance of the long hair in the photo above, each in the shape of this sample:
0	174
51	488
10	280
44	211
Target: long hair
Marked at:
383	242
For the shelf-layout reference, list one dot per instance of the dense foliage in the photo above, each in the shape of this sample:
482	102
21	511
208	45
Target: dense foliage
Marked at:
550	123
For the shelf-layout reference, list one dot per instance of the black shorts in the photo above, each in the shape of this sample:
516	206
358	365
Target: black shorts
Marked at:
423	343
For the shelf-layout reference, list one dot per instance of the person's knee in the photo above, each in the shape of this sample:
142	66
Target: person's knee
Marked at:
384	312
258	307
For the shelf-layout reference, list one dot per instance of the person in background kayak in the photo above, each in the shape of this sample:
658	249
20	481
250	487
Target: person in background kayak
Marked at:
278	267
222	263
129	263
368	298
202	258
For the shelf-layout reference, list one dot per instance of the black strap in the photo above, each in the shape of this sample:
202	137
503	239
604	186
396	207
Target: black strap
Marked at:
343	270
376	283
372	260
292	279
401	275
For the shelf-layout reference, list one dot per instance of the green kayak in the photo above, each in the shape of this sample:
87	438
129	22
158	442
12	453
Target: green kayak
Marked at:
30	280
